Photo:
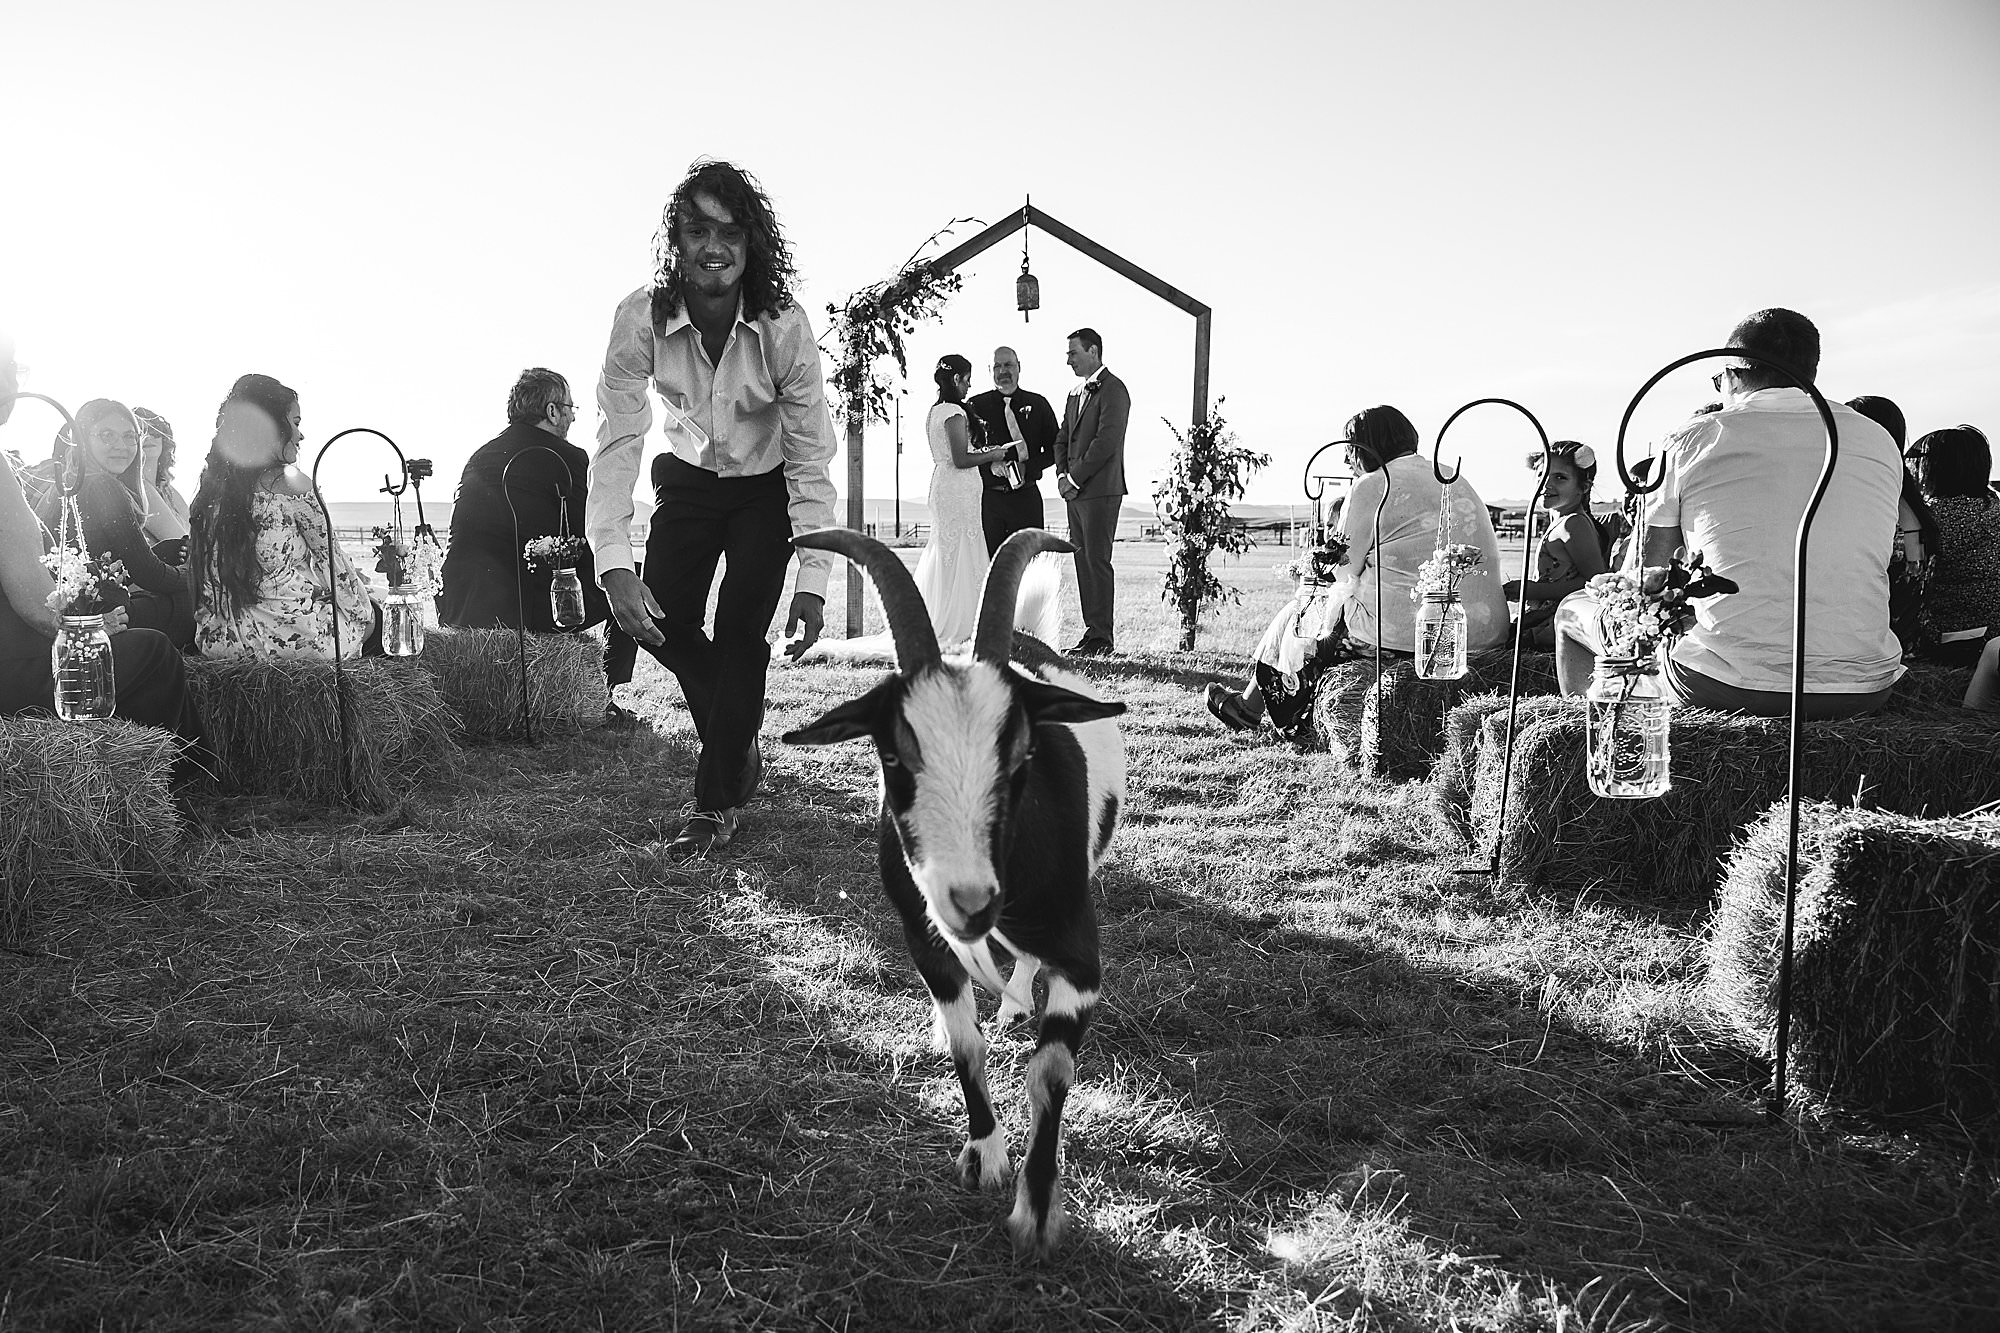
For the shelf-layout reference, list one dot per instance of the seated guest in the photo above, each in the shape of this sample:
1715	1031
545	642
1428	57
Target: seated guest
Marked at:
1962	601
1735	485
151	678
110	495
487	581
1916	548
1287	663
166	510
1574	549
258	543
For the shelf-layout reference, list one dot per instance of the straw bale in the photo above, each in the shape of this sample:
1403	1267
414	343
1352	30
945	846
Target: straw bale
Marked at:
1398	732
1929	685
275	730
1453	775
478	671
81	800
1726	769
1896	957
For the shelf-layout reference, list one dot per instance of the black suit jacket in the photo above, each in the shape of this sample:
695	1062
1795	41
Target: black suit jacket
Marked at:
484	563
1039	424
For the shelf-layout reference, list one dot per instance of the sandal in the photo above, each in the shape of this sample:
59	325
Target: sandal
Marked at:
1229	709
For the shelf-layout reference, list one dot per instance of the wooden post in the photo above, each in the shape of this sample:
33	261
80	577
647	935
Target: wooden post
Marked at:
1201	366
856	519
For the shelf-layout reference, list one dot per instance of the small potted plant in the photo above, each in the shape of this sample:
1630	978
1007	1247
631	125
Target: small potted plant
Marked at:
1440	637
559	555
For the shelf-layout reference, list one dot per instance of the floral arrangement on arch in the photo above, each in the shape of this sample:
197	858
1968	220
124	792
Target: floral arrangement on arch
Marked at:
1440	575
557	552
873	323
1637	617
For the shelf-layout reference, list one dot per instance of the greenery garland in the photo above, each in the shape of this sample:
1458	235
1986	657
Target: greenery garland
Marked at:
873	323
1209	470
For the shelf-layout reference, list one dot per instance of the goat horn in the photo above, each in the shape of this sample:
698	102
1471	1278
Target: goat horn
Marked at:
995	636
903	606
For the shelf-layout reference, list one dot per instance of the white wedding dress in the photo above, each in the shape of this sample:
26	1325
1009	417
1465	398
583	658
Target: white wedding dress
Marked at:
952	569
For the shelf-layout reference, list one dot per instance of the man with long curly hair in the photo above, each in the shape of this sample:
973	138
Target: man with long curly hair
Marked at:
733	358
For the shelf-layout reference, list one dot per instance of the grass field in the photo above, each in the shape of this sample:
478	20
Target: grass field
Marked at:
494	1062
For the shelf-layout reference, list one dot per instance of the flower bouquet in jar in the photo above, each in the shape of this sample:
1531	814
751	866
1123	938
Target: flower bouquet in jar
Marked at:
1440	621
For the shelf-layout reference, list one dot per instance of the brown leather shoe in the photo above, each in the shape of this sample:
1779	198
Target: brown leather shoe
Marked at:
705	831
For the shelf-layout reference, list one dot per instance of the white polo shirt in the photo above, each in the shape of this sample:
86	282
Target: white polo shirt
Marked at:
1736	484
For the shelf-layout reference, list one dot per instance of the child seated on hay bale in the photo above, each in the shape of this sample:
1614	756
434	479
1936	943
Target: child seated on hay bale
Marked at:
1574	549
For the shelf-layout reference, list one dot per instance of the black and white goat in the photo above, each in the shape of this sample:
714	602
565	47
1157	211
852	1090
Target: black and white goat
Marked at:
1001	786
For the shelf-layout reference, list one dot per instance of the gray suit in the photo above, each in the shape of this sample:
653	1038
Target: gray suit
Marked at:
1091	449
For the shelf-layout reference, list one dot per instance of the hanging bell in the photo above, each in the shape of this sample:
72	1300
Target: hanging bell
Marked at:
1027	291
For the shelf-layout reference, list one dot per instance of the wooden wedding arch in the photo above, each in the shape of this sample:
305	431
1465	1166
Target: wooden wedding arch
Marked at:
1027	216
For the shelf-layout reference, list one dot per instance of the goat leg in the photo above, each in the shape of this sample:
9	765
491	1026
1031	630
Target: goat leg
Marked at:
1039	1220
982	1162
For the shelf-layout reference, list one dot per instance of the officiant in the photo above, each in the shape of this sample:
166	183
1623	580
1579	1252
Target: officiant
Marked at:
1012	500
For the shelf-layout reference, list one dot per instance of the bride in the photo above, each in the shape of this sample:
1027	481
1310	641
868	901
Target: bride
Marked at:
952	569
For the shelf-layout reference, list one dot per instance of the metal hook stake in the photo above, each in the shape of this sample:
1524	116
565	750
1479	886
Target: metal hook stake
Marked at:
1777	1102
520	602
1520	632
340	706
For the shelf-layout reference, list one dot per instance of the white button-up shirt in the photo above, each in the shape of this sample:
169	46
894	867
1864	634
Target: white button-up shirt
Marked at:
761	406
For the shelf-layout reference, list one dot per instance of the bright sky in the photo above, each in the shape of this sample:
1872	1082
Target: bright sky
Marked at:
394	207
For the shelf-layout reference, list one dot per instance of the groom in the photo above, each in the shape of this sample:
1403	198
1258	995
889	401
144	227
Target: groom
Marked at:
1090	474
732	355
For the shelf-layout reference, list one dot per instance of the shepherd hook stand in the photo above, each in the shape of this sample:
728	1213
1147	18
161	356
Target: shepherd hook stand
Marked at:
1492	866
520	602
340	707
1776	1106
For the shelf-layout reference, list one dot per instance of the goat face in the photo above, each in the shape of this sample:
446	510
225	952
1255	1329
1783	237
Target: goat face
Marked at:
957	746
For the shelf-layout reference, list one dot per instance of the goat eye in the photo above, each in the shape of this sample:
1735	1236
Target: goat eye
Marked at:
890	760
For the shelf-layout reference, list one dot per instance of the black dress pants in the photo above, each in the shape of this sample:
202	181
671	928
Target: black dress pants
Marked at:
744	522
1004	513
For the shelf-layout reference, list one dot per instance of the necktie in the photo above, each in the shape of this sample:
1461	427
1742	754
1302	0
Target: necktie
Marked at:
1013	426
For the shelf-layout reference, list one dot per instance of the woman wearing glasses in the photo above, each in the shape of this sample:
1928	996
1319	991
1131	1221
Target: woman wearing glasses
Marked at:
104	466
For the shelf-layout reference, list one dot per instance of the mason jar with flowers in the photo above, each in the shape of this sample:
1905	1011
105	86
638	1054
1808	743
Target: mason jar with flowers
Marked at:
414	571
86	588
1628	750
560	554
1440	627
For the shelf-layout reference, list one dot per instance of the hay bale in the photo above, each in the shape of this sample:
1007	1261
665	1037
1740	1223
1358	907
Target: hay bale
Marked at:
478	672
1726	769
275	730
1398	732
1929	685
1337	707
1453	775
1896	957
81	800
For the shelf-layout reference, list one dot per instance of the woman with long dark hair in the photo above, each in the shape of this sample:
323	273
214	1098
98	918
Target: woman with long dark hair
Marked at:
258	548
104	463
952	568
1962	597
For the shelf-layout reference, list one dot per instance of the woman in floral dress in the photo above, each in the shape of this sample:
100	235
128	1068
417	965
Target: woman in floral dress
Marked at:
259	544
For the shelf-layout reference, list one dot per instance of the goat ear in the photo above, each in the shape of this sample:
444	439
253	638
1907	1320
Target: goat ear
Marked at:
1053	703
850	721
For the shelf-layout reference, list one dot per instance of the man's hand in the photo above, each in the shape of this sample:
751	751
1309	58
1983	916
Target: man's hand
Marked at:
633	607
803	624
1066	488
117	620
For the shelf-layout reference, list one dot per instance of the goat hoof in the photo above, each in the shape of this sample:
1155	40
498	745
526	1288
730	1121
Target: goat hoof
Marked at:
983	1164
1033	1241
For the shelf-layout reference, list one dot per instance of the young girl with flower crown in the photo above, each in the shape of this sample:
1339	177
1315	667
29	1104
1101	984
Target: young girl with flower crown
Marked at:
1573	550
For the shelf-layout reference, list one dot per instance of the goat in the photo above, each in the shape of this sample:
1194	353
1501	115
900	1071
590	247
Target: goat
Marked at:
1001	787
